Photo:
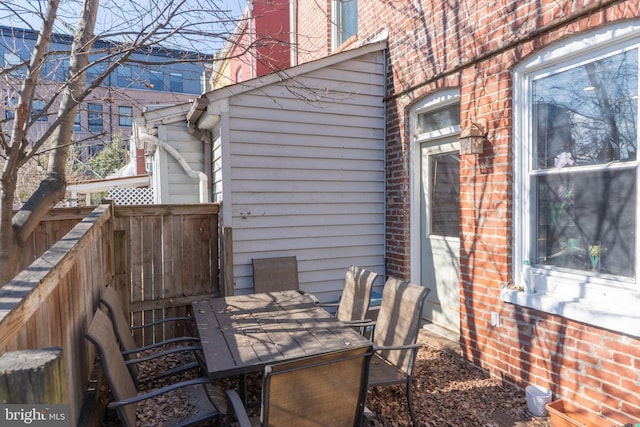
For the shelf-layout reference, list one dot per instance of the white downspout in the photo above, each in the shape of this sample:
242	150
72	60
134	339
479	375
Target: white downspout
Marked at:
204	193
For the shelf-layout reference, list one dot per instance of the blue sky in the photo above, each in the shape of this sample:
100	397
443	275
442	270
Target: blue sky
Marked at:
120	15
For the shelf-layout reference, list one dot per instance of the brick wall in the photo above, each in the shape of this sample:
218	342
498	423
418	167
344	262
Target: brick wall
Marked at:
314	29
473	46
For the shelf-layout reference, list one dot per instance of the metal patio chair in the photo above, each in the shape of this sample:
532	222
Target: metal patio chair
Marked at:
356	295
395	336
193	392
325	390
112	302
275	274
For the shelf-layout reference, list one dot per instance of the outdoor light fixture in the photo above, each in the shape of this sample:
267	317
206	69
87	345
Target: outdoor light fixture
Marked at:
148	161
472	138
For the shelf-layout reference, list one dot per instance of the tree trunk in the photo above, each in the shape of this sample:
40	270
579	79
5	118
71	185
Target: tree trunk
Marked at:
11	239
52	188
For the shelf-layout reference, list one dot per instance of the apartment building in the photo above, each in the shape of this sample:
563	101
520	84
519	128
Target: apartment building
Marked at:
151	78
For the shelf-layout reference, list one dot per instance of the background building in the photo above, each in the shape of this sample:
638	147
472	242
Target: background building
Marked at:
154	77
259	45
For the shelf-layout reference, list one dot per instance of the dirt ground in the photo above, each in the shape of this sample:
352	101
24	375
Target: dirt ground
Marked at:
447	391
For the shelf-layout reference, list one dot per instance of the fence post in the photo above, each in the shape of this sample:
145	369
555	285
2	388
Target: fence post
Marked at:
227	261
33	376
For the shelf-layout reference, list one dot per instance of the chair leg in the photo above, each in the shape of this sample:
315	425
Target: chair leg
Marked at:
410	404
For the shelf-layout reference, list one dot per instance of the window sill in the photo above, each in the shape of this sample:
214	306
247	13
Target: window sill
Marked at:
613	315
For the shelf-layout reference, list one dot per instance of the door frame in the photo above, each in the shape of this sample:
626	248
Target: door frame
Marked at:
431	102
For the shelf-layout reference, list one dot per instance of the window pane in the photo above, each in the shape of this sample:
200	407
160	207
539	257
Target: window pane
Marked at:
62	70
587	114
445	194
76	122
442	118
95	71
95	117
157	80
13	60
124	116
348	19
175	82
10	104
582	211
37	110
124	76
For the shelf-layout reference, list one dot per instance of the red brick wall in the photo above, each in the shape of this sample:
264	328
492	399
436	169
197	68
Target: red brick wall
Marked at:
314	16
473	46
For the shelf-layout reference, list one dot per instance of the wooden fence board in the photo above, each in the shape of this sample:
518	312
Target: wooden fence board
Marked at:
149	253
48	302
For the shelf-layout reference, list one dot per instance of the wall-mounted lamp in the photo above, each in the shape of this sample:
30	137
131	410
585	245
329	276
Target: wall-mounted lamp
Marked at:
148	161
472	138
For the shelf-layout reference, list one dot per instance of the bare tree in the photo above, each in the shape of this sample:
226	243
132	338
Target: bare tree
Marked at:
133	26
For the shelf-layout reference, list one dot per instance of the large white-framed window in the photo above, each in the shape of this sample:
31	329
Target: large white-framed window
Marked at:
576	178
344	15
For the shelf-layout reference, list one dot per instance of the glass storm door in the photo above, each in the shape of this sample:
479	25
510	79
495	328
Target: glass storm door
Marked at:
440	231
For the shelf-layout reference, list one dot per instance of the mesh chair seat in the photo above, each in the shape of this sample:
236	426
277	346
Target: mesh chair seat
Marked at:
111	300
324	390
193	394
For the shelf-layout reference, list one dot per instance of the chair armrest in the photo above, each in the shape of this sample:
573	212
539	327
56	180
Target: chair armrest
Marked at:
157	392
159	354
160	344
363	322
327	304
237	409
163	321
397	347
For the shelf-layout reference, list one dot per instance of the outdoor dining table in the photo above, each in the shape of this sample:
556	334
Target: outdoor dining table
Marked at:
244	333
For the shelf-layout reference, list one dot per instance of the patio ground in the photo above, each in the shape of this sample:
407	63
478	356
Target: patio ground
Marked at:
449	391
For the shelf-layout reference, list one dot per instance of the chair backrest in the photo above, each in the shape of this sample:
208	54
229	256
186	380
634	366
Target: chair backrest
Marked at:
325	390
113	303
356	294
101	334
275	274
111	300
398	321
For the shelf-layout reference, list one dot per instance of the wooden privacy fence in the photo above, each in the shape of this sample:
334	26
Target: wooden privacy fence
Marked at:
56	224
166	257
159	257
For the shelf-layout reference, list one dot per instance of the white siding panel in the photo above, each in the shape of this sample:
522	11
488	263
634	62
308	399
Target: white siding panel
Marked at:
307	174
216	158
181	187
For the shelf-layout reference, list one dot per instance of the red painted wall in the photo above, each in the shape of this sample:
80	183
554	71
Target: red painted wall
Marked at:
473	46
264	45
271	19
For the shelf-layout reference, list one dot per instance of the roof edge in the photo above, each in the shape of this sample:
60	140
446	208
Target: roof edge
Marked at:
295	71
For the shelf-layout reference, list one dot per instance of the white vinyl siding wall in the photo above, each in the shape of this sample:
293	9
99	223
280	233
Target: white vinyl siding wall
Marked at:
216	179
306	173
176	186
